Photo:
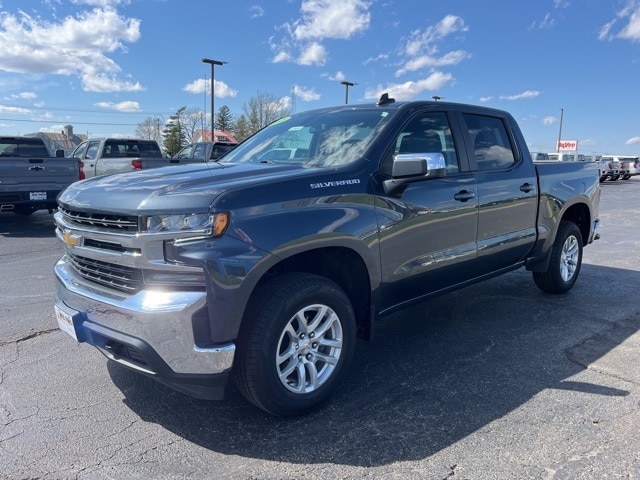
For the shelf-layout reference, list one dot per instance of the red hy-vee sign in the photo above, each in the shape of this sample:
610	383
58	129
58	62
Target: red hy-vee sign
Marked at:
567	145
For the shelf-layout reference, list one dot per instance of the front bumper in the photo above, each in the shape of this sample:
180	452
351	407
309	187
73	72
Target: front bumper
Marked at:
150	332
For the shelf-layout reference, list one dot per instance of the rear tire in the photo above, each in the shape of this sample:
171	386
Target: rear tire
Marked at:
566	259
295	344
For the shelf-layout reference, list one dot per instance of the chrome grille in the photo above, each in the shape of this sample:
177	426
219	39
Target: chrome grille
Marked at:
118	277
121	223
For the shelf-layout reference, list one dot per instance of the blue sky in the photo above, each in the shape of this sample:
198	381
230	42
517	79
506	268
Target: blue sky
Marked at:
104	66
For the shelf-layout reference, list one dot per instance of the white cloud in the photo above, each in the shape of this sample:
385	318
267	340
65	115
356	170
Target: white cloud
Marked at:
76	45
127	106
632	141
338	77
603	33
221	89
21	96
520	96
547	23
549	120
410	89
338	19
424	61
17	110
102	3
424	42
486	99
382	56
52	129
305	94
313	54
630	30
320	20
256	11
282	57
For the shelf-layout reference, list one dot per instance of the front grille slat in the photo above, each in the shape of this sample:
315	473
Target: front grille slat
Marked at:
118	277
110	222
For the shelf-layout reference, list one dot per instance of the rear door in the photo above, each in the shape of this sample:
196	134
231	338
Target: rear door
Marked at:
507	191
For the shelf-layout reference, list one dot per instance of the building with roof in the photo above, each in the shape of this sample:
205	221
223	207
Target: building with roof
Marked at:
65	140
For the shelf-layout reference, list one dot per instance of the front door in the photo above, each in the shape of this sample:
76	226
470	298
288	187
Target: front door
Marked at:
428	233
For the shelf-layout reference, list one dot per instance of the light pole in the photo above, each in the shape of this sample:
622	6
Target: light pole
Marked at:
560	132
347	85
436	98
212	63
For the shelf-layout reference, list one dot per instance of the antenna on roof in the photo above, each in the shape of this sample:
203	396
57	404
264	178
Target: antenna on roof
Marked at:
384	99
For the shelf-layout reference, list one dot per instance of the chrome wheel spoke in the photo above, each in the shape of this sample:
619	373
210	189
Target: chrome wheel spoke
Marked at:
309	348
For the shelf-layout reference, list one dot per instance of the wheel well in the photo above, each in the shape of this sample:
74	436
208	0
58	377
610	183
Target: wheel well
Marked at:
340	265
579	214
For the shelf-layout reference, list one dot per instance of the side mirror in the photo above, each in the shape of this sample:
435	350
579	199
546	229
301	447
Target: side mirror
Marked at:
414	167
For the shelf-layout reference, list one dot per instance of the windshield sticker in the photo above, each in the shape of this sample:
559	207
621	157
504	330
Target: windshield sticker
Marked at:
283	119
335	183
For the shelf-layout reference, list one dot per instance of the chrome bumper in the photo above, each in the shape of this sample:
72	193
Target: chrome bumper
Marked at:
161	320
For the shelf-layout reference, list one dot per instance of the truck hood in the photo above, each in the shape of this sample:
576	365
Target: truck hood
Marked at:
181	188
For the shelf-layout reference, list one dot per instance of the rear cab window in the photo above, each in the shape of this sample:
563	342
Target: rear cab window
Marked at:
491	143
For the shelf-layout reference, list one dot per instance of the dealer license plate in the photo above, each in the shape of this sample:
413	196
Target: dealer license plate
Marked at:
65	322
37	195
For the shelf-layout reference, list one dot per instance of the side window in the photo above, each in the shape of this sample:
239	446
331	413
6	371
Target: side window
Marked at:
491	144
427	132
81	150
92	151
200	151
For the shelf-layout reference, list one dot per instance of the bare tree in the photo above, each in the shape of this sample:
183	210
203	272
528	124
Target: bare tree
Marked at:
192	120
263	109
149	129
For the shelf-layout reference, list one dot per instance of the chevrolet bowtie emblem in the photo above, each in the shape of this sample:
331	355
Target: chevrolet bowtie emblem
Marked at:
70	239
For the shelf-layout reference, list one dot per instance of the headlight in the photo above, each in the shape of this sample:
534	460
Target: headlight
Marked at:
207	224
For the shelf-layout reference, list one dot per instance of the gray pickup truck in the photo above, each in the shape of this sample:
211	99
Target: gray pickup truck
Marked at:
105	156
267	269
31	177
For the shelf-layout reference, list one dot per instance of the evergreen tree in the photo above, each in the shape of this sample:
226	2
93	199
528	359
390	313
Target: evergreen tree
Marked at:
241	128
174	138
224	119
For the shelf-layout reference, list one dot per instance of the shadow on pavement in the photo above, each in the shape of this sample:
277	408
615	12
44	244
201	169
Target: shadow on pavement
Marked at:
36	225
433	374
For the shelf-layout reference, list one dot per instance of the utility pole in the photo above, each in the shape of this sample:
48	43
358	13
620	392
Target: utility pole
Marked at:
560	132
347	85
212	63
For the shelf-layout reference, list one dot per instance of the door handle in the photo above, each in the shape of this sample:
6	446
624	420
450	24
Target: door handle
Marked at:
464	195
527	187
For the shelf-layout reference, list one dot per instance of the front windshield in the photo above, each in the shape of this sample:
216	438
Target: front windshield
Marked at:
323	138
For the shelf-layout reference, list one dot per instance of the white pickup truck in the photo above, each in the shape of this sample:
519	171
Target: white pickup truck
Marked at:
103	156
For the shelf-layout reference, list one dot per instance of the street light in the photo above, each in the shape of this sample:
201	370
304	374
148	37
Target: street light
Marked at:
436	98
347	85
212	63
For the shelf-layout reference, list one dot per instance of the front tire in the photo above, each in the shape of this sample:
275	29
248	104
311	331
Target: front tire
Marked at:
295	344
566	259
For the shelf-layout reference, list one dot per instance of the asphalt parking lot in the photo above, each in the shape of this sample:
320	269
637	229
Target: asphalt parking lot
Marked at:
496	381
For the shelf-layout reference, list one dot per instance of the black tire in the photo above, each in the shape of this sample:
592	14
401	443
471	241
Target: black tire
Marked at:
284	365
614	177
566	260
626	177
